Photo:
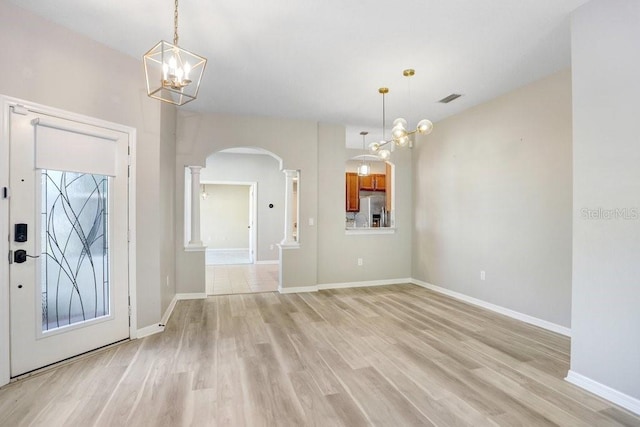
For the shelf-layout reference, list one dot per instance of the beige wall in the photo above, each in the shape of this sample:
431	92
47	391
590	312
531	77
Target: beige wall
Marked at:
224	216
605	344
493	193
294	141
102	83
385	257
318	151
167	195
265	171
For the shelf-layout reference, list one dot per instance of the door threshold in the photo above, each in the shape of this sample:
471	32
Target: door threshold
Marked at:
67	361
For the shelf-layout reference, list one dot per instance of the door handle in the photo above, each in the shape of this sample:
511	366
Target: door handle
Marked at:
21	256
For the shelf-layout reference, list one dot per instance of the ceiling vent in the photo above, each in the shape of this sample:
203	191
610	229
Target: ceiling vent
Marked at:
448	99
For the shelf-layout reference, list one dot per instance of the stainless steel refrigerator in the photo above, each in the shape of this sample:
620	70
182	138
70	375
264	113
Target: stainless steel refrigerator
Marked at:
370	211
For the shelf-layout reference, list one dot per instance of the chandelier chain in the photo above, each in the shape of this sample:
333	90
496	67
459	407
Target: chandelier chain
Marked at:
175	25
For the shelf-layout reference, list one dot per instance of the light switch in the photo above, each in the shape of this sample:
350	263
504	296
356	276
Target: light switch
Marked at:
311	221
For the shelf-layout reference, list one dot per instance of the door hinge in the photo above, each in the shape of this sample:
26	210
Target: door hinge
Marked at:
5	192
128	171
20	109
10	257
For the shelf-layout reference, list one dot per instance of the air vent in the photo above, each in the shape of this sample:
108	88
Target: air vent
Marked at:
448	99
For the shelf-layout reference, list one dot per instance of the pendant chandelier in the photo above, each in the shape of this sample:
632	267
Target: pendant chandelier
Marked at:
364	169
400	136
173	74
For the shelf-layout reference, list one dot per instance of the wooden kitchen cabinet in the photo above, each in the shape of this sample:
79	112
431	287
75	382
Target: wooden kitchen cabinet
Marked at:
373	182
352	199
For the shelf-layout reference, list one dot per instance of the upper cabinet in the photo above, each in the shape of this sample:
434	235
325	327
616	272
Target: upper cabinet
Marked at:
373	182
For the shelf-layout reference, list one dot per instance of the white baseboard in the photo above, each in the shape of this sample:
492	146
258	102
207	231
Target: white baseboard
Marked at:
194	295
154	329
346	285
268	262
364	284
562	330
298	289
209	250
169	310
150	330
612	395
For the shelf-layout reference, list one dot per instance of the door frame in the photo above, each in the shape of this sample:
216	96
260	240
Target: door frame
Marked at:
253	212
6	104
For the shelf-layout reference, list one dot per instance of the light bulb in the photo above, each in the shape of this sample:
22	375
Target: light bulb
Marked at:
424	127
179	74
400	121
402	142
364	170
172	64
374	147
384	154
187	70
165	71
398	132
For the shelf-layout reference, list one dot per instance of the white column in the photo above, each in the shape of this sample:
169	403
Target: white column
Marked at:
288	208
195	240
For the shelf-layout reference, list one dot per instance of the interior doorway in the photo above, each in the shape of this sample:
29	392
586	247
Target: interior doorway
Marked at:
228	222
242	187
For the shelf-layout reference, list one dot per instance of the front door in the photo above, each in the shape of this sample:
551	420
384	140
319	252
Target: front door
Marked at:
68	211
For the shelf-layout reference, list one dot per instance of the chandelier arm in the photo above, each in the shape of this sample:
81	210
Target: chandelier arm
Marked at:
175	25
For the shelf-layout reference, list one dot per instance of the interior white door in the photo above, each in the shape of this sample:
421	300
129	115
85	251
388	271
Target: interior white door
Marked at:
69	274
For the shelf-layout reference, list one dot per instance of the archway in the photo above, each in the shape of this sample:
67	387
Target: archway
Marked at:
259	174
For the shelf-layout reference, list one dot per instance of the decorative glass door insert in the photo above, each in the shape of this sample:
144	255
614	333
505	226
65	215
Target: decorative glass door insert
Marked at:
74	248
69	289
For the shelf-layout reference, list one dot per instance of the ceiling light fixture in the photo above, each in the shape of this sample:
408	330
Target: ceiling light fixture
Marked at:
173	74
400	136
364	169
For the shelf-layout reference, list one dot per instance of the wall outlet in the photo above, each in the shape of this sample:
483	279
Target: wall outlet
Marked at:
360	262
482	275
311	222
271	247
167	280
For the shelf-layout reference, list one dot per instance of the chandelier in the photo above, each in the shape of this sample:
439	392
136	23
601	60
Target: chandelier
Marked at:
173	74
400	136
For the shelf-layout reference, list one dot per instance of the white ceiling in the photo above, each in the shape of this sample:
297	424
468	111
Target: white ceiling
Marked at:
324	60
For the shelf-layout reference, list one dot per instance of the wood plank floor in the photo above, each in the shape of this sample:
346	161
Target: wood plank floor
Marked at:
388	356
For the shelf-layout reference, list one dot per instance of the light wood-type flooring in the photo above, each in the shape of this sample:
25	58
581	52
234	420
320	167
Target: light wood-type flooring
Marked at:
387	356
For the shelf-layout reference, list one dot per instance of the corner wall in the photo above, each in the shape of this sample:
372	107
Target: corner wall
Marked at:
605	347
493	194
167	199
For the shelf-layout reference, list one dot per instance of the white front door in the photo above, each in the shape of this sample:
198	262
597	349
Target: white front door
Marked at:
68	210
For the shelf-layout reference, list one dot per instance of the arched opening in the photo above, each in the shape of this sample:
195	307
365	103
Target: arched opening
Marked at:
244	203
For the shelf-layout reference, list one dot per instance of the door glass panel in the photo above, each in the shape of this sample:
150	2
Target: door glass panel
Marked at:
75	251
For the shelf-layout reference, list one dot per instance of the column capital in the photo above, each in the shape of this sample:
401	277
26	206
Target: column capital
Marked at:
290	173
195	169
